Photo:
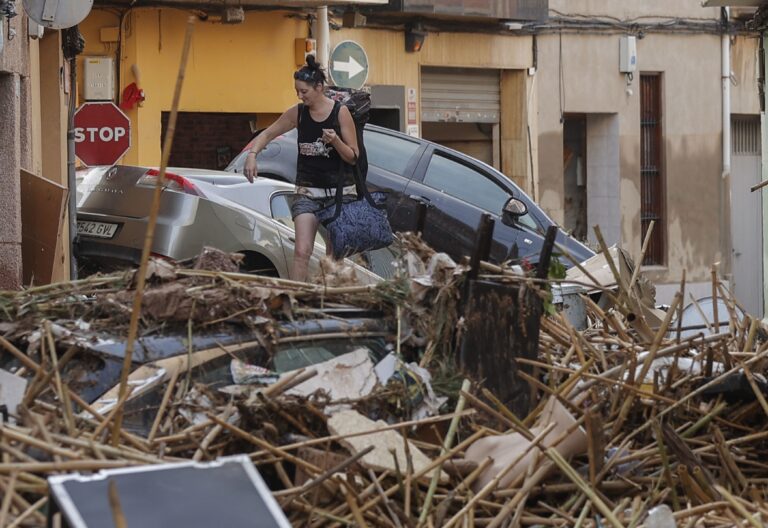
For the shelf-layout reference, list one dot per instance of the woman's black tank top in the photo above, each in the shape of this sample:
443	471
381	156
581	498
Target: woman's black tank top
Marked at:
318	164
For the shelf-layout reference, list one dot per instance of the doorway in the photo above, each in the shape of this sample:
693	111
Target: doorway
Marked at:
575	176
746	214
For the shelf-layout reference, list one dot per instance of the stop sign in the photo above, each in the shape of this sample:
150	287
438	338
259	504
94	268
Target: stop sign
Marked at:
102	133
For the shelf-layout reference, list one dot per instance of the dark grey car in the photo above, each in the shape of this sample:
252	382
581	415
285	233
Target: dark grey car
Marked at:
457	189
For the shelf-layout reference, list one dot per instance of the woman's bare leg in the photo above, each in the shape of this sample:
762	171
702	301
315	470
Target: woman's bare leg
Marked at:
306	229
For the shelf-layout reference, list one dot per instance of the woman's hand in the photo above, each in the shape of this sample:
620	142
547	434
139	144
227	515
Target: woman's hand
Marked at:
329	136
250	169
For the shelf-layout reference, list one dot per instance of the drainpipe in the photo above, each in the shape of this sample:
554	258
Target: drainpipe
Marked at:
763	74
322	34
71	174
726	241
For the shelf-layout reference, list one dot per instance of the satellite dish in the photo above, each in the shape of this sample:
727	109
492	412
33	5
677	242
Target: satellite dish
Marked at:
58	14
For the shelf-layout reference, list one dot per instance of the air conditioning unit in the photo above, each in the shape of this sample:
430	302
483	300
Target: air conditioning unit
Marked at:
627	54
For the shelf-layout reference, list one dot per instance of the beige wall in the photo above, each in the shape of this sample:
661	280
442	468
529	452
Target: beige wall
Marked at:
391	65
629	9
248	68
15	145
690	68
744	95
53	141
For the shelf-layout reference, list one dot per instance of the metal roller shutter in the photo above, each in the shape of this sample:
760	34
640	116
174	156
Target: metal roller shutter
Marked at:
460	95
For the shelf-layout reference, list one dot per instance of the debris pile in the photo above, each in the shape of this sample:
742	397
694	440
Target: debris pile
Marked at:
631	420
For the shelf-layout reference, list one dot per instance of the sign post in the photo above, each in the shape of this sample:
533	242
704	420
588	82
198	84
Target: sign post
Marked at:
102	133
349	65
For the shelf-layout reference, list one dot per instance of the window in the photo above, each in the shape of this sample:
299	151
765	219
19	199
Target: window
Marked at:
465	183
651	170
281	209
388	152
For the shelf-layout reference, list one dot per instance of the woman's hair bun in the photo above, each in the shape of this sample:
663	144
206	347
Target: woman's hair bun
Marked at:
312	62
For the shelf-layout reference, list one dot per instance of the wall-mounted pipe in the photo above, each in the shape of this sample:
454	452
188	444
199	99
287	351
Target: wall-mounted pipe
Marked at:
322	33
726	237
726	80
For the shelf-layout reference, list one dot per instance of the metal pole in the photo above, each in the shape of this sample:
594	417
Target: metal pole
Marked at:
71	175
323	37
764	161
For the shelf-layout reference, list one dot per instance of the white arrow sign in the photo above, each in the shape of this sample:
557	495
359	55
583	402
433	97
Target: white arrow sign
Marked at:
352	67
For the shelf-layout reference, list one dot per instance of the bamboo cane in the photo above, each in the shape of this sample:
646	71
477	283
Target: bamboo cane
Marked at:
152	220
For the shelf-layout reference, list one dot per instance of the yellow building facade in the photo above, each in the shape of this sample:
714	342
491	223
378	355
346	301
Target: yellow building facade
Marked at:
247	69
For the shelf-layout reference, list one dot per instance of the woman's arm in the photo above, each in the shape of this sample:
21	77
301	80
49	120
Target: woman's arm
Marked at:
346	145
287	121
284	123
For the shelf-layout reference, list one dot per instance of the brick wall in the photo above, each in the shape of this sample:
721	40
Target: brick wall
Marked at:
208	140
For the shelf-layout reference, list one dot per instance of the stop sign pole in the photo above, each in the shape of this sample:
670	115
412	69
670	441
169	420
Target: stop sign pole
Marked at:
102	133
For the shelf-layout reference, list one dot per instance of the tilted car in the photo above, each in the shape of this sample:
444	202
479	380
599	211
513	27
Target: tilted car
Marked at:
198	208
457	189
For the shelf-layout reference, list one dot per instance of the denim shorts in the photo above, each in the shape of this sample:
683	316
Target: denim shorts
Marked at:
311	200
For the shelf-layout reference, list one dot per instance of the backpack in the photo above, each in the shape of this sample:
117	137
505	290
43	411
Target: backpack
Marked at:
358	102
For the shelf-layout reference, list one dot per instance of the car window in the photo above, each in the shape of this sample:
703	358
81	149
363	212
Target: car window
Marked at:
292	356
389	152
465	183
281	209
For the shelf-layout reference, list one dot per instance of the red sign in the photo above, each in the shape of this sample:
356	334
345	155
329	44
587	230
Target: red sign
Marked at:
102	133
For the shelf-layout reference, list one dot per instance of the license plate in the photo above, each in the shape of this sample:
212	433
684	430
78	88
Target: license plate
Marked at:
96	229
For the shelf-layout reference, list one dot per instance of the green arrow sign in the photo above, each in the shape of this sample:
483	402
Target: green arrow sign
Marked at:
349	65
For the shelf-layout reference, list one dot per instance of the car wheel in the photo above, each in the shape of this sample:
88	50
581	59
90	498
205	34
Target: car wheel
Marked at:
257	264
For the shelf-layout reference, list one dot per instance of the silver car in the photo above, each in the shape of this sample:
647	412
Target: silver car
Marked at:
198	208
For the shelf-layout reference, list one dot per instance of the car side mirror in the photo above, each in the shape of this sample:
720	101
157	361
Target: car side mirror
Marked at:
513	209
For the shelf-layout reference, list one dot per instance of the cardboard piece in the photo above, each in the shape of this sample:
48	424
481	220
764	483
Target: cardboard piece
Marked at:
43	208
347	377
350	422
12	389
598	267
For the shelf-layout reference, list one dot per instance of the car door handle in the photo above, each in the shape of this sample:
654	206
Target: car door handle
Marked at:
420	199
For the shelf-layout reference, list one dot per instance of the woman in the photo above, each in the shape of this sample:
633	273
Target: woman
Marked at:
327	141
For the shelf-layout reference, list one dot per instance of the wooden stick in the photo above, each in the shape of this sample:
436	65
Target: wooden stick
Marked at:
214	432
32	510
163	405
758	186
66	466
646	364
466	384
263	444
643	250
114	504
69	419
738	506
150	234
9	494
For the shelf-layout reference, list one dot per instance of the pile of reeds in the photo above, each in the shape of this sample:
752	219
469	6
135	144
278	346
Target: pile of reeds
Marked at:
691	435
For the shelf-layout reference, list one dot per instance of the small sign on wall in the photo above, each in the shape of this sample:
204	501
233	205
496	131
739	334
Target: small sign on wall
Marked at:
412	122
412	117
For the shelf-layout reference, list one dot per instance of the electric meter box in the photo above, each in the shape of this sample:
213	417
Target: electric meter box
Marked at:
627	54
99	82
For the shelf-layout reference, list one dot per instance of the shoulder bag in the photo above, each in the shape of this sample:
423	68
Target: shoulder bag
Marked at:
356	225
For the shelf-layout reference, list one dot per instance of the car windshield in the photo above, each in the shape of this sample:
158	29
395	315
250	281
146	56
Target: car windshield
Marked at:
218	372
